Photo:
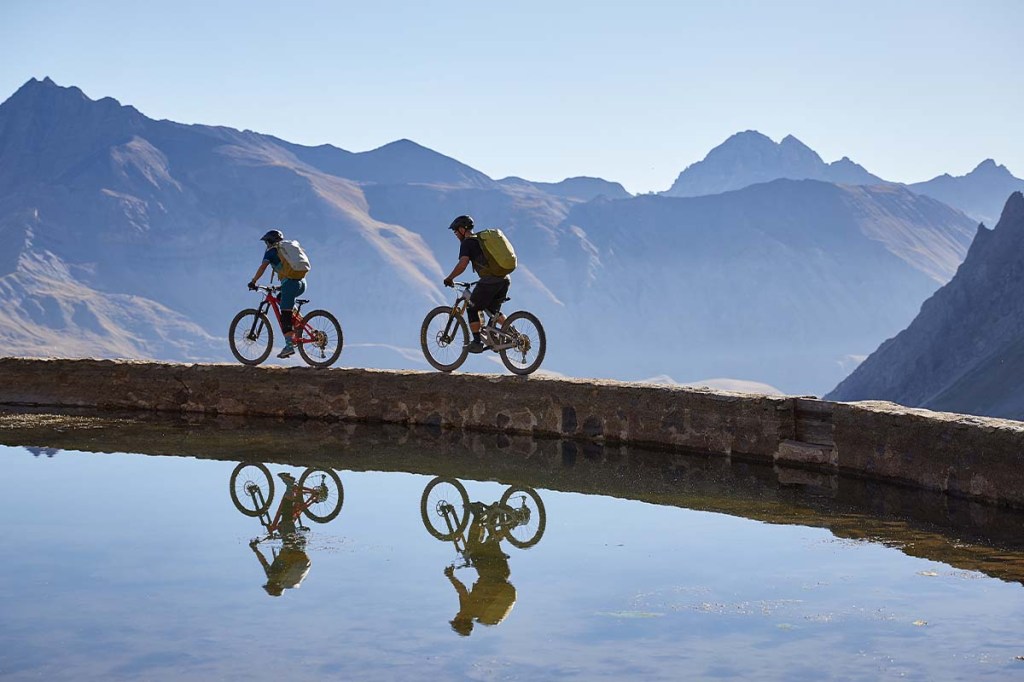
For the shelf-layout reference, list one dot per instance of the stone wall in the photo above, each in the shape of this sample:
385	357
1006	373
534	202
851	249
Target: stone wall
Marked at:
973	457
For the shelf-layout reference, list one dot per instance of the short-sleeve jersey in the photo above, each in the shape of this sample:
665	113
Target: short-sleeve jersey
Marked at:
472	250
273	258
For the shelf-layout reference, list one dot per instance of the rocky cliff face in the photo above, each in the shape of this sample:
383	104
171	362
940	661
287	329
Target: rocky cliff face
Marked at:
964	351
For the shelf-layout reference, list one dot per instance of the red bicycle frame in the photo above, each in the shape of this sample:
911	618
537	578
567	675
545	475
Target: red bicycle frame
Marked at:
272	300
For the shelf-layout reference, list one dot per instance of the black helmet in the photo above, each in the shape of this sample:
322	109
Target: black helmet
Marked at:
272	237
462	221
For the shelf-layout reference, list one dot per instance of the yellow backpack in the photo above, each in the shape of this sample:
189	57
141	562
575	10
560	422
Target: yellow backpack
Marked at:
501	257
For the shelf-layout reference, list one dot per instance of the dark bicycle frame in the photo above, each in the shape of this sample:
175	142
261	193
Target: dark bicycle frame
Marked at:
488	328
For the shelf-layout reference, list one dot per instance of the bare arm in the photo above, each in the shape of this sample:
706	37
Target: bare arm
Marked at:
460	268
263	559
456	583
260	271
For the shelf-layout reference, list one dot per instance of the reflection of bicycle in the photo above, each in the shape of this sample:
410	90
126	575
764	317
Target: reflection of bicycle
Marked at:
518	516
318	494
252	336
444	336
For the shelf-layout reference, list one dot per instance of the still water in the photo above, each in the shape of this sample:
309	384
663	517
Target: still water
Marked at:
136	550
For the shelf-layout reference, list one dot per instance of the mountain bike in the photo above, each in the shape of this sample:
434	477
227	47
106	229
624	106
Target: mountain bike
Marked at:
518	517
252	336
444	336
318	494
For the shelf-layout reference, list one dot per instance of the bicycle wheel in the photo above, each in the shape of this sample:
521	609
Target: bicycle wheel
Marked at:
444	507
527	517
251	337
326	332
444	338
327	500
252	489
531	343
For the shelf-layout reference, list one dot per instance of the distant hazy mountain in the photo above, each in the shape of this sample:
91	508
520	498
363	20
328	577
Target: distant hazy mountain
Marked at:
581	188
964	352
401	162
134	237
980	194
749	158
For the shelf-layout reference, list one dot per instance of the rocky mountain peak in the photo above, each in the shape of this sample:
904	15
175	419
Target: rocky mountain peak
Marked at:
1013	212
990	168
744	142
750	157
791	142
47	102
37	92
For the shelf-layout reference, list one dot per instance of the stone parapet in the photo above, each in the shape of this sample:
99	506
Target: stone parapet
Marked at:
971	457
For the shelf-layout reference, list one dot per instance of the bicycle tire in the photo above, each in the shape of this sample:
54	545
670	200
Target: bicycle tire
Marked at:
432	510
331	329
251	478
428	336
537	340
261	328
537	516
329	507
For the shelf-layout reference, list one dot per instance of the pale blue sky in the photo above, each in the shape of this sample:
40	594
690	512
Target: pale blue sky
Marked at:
629	91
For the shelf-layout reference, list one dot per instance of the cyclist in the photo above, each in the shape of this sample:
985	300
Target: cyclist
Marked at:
489	293
492	595
290	564
290	288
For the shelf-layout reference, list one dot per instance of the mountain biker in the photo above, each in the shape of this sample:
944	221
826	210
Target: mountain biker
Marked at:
290	289
290	564
492	596
489	293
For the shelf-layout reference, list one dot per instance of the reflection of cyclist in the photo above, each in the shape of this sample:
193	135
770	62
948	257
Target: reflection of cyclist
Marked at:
290	288
291	563
492	595
489	293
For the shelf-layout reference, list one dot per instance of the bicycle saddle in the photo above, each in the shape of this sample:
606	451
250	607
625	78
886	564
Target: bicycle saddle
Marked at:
301	301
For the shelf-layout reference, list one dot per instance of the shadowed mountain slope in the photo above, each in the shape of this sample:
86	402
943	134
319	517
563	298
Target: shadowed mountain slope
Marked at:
778	283
964	352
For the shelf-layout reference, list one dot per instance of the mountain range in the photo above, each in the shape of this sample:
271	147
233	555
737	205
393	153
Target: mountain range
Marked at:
133	237
749	158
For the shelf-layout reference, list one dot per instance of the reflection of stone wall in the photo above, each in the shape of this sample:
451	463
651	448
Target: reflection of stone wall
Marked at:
920	523
973	457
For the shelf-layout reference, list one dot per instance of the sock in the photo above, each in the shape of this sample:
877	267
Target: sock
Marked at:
476	336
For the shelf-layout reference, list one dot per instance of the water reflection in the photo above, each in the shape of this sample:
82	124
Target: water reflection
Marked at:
661	566
922	523
477	529
318	494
